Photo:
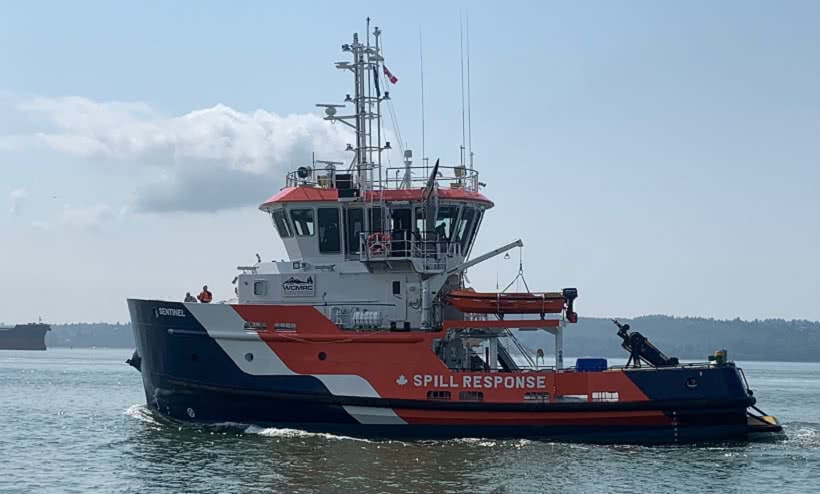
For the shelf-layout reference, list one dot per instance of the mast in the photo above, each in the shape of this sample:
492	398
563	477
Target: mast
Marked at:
461	51
366	99
469	101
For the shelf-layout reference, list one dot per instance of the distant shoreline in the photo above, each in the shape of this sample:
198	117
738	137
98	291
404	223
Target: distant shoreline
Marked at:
690	338
568	361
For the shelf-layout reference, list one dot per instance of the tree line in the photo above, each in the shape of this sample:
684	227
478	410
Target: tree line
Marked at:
682	337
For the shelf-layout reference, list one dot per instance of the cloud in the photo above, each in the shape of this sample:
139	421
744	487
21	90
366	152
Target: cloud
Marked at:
206	160
40	225
89	217
18	198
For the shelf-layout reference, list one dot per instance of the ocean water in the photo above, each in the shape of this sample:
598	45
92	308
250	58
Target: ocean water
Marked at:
73	421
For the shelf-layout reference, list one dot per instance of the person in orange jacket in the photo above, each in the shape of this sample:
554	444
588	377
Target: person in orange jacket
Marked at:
205	296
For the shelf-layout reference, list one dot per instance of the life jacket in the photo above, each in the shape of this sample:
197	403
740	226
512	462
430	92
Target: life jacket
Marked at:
205	297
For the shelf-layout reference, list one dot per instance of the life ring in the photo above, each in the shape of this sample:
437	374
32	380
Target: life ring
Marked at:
377	243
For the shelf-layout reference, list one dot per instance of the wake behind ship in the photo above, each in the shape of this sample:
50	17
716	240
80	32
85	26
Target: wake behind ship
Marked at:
369	328
24	336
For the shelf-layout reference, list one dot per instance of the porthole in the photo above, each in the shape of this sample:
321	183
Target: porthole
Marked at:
249	357
322	355
691	383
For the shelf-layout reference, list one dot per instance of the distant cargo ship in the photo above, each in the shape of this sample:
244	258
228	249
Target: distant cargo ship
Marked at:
24	336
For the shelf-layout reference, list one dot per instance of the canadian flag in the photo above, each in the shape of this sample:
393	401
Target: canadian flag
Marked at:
390	77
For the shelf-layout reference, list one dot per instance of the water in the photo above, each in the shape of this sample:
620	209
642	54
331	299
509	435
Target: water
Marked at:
73	421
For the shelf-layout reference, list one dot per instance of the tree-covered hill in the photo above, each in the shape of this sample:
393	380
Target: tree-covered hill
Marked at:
683	337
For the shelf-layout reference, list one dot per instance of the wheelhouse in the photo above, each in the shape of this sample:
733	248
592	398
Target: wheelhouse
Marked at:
315	220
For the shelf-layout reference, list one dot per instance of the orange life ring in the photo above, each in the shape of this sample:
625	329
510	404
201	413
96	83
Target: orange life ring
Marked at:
377	243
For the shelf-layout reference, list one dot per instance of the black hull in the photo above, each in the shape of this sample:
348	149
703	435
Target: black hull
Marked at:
24	337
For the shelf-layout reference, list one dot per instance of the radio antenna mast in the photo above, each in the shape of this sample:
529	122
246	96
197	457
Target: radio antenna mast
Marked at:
469	100
421	72
461	49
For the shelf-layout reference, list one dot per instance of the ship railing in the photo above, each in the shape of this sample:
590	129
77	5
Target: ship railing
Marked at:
452	177
647	367
530	368
394	178
428	251
306	176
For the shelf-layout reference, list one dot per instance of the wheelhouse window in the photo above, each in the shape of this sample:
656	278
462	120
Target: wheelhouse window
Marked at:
446	222
465	227
303	222
281	223
329	234
354	226
474	230
376	219
421	224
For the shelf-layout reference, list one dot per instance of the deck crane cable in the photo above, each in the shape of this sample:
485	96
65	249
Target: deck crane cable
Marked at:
520	274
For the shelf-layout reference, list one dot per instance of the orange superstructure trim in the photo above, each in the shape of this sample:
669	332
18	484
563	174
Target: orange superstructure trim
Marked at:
316	194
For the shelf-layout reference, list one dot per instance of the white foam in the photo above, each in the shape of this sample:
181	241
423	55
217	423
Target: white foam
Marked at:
228	425
804	436
483	443
285	433
141	413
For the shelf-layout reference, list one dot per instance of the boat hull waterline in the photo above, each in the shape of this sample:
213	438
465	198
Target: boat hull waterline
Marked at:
199	363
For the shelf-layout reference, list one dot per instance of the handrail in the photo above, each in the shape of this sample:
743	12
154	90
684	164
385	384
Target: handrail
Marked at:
433	252
394	178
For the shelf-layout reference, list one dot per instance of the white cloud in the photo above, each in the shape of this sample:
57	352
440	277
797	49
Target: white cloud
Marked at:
89	217
18	198
208	159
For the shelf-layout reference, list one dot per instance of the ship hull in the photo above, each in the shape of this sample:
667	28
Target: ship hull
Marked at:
24	337
190	375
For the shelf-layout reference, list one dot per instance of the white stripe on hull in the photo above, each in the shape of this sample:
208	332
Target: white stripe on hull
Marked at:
221	320
378	416
227	328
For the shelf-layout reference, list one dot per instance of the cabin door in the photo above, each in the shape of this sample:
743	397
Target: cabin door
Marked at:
401	221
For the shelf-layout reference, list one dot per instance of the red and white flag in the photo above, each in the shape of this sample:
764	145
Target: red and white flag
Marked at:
390	77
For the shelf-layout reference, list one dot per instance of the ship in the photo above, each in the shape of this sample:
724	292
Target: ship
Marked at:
370	328
30	336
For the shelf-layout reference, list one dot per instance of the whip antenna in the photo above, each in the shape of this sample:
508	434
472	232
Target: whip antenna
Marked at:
421	72
469	100
461	49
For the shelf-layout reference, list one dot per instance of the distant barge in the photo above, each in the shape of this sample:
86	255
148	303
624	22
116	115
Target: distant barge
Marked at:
24	336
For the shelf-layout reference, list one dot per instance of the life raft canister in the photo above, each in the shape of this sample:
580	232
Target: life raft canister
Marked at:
377	243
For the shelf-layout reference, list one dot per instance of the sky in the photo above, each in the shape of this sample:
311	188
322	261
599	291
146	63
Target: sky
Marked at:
662	157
